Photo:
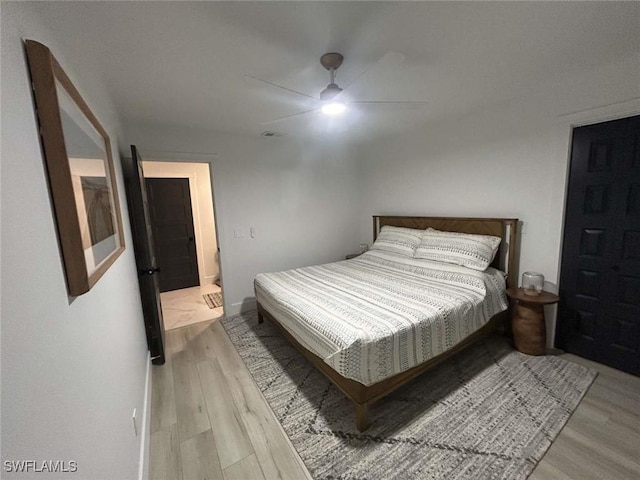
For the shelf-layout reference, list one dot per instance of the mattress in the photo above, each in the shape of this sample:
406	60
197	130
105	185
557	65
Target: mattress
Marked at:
382	313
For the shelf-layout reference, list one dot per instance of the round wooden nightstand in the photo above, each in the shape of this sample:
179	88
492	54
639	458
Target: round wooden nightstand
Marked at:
527	321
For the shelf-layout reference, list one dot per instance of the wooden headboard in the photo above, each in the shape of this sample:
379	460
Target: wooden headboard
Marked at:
505	228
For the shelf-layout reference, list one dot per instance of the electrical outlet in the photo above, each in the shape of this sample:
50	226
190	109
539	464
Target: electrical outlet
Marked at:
252	232
134	419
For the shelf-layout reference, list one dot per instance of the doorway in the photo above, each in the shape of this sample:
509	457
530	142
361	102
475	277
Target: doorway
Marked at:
183	222
599	310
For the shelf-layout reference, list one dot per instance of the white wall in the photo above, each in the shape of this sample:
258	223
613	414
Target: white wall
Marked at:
72	373
508	161
202	208
300	197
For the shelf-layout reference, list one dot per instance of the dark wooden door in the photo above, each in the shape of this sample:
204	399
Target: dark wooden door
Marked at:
172	223
599	311
145	255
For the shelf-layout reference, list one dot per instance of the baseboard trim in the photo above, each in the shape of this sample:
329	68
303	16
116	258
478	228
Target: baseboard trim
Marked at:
246	305
145	430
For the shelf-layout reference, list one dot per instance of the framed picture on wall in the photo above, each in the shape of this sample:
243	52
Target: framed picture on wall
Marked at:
80	170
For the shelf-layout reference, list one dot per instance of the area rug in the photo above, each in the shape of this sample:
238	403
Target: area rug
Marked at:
213	299
488	412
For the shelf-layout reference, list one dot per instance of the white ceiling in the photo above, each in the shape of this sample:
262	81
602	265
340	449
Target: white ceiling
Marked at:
184	63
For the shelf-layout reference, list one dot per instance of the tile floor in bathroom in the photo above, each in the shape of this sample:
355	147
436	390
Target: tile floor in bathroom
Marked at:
187	306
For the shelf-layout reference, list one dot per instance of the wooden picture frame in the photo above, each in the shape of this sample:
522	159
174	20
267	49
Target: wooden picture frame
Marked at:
82	182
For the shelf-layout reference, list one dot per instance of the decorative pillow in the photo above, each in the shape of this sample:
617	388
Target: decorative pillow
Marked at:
466	249
398	240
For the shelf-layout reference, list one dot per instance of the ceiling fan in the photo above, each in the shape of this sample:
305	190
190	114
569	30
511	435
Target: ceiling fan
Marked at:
329	100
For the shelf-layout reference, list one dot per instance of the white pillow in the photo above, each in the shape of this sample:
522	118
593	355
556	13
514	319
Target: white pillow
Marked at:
398	240
466	249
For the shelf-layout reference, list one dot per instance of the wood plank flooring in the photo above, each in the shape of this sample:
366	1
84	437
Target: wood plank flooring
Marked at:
601	440
210	421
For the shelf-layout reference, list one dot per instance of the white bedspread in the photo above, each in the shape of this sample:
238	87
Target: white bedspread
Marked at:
381	313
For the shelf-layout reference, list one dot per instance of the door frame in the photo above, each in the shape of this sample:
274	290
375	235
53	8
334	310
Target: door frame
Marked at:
571	121
188	157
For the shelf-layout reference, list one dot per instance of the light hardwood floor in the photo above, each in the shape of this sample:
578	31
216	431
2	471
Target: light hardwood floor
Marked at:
210	421
601	440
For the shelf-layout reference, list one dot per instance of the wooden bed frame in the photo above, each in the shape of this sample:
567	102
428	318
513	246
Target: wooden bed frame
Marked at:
364	396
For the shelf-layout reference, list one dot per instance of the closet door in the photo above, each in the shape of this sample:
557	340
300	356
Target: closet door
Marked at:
599	311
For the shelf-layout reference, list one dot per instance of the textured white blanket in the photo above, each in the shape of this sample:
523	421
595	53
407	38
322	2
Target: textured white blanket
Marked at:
381	313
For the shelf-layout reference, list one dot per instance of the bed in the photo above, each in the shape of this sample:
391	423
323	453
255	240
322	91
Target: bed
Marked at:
373	323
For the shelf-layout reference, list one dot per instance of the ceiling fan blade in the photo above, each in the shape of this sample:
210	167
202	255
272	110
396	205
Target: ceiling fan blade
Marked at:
409	102
288	116
279	86
387	61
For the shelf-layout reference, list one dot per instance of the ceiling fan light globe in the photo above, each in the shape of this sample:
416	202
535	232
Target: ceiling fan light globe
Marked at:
333	108
330	92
